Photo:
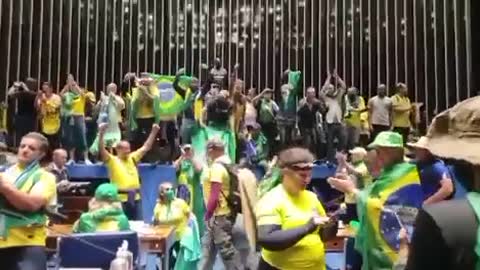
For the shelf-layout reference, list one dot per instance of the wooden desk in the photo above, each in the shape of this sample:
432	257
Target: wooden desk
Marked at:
158	239
337	244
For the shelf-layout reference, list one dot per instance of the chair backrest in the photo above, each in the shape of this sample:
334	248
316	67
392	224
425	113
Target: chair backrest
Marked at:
89	250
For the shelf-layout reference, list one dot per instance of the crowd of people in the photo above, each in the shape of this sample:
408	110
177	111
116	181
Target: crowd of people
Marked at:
384	187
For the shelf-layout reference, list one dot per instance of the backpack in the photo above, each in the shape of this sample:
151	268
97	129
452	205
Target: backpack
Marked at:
234	200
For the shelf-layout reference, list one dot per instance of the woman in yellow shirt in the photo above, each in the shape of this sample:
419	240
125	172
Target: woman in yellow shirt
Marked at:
48	105
291	220
175	211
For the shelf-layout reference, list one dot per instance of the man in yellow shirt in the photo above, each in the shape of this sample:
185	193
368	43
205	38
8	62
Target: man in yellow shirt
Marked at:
401	112
48	104
143	95
75	98
123	170
218	217
355	105
25	190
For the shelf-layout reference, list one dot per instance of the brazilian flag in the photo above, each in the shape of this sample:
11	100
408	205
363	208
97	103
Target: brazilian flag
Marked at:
201	135
395	193
167	103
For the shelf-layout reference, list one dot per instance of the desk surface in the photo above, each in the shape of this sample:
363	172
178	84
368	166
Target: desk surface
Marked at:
156	232
346	232
157	239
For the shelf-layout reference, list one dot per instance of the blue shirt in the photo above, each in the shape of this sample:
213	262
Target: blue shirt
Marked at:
431	173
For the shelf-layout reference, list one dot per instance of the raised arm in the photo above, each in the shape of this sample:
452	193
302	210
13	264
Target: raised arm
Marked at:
327	82
177	87
258	97
104	154
342	85
149	142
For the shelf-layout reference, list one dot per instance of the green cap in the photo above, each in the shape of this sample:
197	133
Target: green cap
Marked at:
107	192
387	139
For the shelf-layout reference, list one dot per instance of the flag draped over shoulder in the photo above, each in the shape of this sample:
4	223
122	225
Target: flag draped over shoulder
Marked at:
201	135
167	103
396	190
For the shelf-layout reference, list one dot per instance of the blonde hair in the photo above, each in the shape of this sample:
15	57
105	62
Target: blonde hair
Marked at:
95	204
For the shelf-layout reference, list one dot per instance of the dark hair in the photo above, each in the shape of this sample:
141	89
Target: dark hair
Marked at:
294	155
47	84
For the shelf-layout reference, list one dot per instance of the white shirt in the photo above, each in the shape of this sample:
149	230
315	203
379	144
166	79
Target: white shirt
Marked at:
334	113
380	110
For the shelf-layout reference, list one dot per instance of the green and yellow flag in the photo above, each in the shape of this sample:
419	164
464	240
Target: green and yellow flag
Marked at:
167	103
395	193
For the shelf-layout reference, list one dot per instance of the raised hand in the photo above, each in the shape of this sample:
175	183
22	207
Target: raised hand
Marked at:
102	127
155	128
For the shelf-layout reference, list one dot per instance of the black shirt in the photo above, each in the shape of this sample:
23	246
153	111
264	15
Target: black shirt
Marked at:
444	238
25	104
307	115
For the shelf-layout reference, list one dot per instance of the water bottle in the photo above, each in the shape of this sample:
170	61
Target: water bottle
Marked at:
124	258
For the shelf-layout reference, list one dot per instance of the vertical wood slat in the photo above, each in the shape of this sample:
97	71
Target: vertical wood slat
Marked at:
352	41
405	43
435	52
378	38
167	39
79	30
457	56
122	39
30	37
95	62
327	35
145	39
104	62
415	51
185	28
252	19
19	50
259	47
59	47
425	65
87	44
468	47
40	39
9	47
370	40
445	50
50	43
387	48
200	54
267	12
282	28
154	49
336	38
69	40
395	8
320	49
113	52
137	36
